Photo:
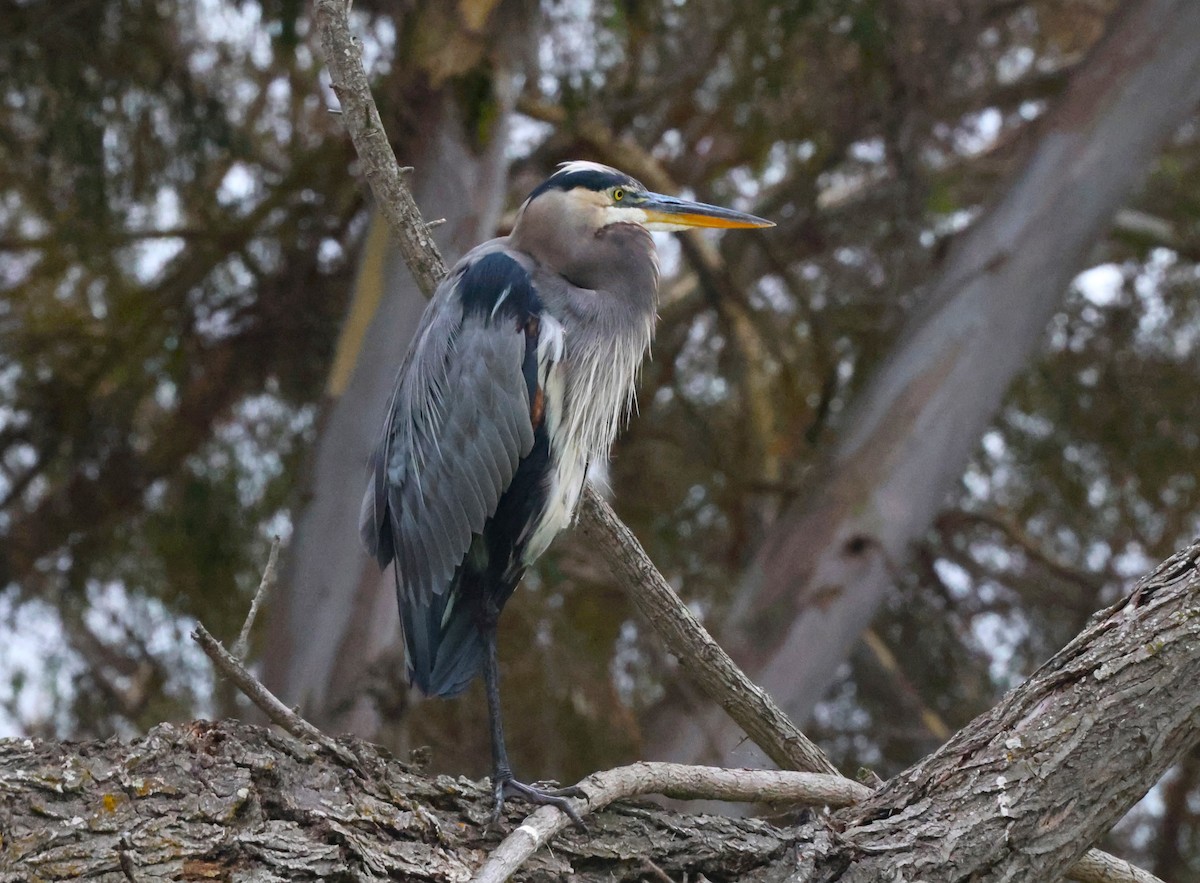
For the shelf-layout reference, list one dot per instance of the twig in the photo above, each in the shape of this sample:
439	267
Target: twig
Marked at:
680	781
270	575
270	704
708	665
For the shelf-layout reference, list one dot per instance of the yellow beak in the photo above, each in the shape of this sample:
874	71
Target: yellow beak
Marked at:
670	212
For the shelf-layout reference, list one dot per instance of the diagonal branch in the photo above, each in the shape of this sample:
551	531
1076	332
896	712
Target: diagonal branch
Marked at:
266	585
344	57
708	665
268	702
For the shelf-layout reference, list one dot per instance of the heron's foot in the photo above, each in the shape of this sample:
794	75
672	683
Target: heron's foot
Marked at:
506	787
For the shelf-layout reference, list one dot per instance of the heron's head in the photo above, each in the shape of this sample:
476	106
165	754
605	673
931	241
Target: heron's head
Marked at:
588	223
586	196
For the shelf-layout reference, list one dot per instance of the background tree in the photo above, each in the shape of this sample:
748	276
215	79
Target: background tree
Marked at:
180	225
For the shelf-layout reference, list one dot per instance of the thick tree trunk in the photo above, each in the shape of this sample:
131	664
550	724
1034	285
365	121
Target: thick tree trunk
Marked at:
336	614
825	567
1018	795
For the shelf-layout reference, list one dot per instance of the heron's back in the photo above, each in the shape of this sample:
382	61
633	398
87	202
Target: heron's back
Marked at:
460	478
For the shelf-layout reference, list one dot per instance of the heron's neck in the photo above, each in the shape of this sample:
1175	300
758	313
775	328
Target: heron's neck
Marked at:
629	271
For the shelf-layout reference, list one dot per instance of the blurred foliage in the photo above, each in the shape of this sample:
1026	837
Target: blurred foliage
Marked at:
174	222
178	221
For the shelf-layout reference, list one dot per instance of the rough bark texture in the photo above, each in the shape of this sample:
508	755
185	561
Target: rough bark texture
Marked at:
229	801
1019	794
824	568
1022	791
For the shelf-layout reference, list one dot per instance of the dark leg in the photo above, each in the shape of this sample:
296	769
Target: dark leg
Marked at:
503	782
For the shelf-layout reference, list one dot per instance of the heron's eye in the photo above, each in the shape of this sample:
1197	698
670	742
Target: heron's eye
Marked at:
618	195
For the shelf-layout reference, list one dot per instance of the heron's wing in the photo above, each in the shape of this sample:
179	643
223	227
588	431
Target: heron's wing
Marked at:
459	424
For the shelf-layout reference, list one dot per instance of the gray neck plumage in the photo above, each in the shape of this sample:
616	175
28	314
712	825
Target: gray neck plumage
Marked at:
606	305
618	263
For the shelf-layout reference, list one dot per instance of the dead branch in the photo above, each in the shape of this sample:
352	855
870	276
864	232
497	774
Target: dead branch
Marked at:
707	664
680	781
271	706
270	576
344	57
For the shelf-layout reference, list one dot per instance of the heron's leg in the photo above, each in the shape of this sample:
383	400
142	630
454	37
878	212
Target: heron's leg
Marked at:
503	783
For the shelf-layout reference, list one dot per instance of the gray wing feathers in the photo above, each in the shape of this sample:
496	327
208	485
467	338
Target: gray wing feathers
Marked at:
458	427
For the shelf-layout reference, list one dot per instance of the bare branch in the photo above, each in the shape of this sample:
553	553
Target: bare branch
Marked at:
270	704
680	781
344	57
708	665
265	586
1100	867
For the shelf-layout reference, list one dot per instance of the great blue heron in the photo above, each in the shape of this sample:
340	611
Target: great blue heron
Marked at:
519	375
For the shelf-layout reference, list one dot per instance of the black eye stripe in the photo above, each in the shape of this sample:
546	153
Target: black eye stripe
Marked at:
588	179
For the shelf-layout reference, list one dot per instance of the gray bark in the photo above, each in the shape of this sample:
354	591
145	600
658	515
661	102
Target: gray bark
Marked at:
825	566
1019	794
229	801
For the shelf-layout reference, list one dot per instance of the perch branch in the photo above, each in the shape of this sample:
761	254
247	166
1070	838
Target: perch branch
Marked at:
679	781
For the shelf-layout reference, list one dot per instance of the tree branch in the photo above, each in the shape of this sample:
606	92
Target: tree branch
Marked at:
226	800
1018	793
706	663
270	575
676	780
344	57
271	706
1100	867
1024	788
